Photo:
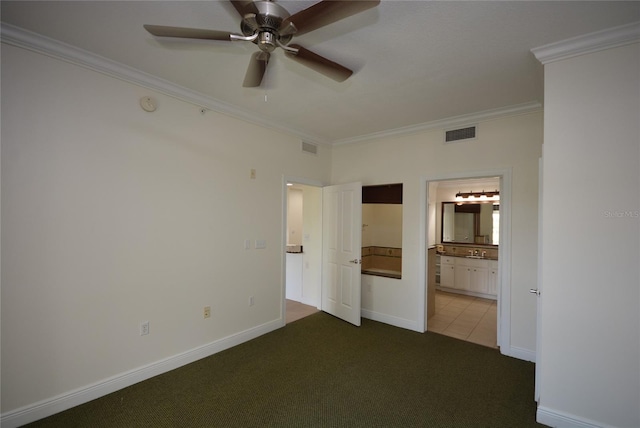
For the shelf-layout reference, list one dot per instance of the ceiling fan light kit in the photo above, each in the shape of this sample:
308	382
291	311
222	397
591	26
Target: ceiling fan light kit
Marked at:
270	26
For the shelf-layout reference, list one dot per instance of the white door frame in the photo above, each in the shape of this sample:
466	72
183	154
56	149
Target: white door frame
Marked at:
504	249
283	269
538	378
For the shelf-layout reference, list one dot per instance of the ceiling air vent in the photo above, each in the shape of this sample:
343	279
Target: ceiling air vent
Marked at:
309	148
468	133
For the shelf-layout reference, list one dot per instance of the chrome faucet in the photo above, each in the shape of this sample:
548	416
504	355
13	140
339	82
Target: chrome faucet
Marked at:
484	253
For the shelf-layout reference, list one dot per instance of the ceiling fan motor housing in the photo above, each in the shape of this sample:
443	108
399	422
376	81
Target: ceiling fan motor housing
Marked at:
267	22
269	25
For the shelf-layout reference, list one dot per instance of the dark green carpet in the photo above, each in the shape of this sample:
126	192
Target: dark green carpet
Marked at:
323	372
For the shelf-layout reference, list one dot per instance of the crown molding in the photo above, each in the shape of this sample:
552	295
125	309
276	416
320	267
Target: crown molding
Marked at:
29	40
447	123
588	43
25	39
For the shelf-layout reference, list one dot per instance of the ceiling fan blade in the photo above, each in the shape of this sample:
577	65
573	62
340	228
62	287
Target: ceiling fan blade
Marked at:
187	33
318	63
244	7
256	69
326	12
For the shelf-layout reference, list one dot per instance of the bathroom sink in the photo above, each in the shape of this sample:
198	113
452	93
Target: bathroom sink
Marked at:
475	257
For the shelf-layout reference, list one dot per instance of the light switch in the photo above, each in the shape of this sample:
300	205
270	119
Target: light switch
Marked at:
247	244
261	244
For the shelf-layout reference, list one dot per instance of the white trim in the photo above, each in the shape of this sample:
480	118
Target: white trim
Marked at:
310	302
423	266
539	297
22	38
504	262
391	320
504	254
520	353
50	406
448	123
25	39
554	418
588	43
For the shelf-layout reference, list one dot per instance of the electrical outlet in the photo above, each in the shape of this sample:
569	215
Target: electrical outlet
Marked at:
207	311
251	301
144	328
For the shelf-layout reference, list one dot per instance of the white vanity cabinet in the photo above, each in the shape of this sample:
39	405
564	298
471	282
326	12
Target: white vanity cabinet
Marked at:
470	276
447	271
492	277
463	277
479	280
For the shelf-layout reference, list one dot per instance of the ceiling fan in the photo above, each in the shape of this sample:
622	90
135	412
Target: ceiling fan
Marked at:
269	25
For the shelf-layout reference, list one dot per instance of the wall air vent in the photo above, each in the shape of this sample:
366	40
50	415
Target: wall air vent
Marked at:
468	133
309	148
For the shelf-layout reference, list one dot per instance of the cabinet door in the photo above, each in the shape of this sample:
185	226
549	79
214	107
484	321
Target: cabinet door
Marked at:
447	275
478	282
463	277
492	282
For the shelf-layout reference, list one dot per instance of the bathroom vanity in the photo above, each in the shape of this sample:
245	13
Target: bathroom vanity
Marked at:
467	258
462	274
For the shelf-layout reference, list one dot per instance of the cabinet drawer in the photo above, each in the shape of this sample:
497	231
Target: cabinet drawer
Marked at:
463	261
446	260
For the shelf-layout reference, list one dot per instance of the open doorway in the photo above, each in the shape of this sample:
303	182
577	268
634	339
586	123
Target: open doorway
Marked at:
303	249
465	239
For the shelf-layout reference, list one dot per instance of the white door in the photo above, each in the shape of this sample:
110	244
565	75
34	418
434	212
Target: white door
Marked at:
341	248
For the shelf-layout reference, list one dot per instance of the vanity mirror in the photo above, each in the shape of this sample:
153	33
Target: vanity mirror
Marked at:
470	223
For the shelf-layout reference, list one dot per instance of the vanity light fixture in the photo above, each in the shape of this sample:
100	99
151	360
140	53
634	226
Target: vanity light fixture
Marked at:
478	196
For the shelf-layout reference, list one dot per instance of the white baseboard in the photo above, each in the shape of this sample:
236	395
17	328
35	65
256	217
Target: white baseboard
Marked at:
519	353
48	407
389	319
309	302
556	419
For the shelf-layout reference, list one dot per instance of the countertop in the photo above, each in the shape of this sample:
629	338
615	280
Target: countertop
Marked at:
466	256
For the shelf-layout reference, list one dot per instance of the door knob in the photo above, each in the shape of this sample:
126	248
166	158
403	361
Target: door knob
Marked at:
534	291
356	261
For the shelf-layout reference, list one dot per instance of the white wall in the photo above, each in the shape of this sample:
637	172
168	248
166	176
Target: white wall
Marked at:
508	143
112	216
590	345
294	216
384	225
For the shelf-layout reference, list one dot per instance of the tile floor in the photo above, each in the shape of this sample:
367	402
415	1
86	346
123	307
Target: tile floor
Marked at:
296	310
465	317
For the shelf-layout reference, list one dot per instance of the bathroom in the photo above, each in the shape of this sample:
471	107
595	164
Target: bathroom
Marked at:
382	230
463	259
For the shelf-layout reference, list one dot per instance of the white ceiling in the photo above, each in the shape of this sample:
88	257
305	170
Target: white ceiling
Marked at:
415	62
